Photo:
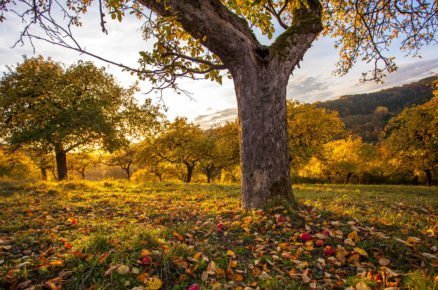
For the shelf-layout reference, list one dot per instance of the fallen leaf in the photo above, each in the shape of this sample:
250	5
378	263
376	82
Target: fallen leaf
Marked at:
178	236
306	279
56	263
154	283
231	254
384	262
123	269
361	252
362	286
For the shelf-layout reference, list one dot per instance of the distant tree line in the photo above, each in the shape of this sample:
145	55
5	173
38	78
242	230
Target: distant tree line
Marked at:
366	115
78	120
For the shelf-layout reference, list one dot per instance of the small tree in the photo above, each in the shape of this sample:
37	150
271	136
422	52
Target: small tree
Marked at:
181	144
81	162
310	127
123	158
45	106
221	150
412	138
16	164
343	158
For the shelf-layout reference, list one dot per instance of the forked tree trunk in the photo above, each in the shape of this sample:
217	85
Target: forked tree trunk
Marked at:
61	163
261	98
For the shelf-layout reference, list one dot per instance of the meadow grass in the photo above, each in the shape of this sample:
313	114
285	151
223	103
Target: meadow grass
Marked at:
78	235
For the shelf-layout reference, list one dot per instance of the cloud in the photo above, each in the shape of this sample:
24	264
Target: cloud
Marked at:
304	88
216	118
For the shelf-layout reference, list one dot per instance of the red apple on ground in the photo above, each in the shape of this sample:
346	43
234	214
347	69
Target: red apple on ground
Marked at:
319	243
329	251
194	287
146	260
305	237
220	227
281	219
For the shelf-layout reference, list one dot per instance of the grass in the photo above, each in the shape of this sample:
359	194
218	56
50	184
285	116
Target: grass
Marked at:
96	235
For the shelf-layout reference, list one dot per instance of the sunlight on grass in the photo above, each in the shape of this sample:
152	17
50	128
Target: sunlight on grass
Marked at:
83	234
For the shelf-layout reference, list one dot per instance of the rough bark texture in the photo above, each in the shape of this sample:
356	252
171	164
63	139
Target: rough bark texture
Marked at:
260	76
261	99
61	164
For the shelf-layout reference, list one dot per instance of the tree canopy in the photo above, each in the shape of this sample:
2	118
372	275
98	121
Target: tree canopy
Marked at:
60	110
309	129
412	138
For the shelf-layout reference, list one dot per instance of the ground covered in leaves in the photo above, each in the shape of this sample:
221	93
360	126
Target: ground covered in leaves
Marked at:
115	235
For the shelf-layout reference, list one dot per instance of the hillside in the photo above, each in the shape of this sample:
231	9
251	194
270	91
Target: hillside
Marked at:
367	114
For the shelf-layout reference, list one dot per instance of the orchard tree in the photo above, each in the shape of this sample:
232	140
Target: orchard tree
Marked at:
412	138
45	106
149	161
221	150
182	144
343	158
81	162
310	127
123	158
202	37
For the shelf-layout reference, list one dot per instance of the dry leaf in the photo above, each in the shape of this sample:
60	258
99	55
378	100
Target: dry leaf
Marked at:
231	254
384	261
123	269
362	286
361	252
154	283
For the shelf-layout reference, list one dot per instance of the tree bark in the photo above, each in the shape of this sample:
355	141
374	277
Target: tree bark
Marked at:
43	173
261	99
189	173
61	163
348	177
428	173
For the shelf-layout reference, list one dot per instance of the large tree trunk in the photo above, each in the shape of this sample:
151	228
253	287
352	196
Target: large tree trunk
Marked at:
265	163
260	77
61	163
428	173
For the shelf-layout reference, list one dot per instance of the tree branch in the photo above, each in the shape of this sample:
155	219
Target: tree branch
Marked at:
217	28
292	44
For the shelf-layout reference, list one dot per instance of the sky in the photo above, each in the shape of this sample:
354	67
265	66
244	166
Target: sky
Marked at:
210	103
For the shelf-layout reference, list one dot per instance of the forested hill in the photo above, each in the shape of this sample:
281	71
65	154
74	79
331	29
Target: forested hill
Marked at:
367	114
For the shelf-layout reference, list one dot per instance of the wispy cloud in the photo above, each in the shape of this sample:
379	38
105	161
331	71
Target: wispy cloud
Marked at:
218	117
313	88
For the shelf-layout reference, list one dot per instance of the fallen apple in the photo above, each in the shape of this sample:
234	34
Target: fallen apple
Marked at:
194	287
146	260
281	219
305	237
329	251
220	227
